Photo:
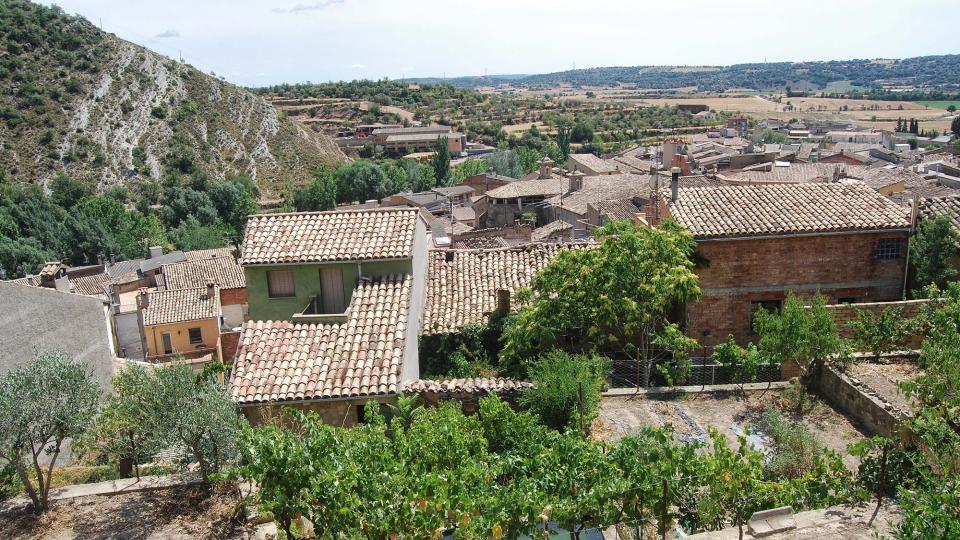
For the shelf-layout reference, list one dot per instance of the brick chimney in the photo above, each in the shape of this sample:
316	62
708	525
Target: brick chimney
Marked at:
503	301
546	168
211	287
154	252
674	183
143	298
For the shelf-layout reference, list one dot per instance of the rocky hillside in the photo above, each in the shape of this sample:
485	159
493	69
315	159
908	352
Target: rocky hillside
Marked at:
106	111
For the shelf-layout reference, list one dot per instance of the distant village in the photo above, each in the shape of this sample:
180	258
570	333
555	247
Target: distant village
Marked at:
327	309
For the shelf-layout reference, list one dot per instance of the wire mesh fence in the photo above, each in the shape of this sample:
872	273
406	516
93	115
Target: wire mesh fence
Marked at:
629	373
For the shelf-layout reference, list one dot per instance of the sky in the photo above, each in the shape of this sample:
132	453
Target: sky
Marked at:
258	43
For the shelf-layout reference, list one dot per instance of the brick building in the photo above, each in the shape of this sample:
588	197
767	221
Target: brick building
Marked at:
756	244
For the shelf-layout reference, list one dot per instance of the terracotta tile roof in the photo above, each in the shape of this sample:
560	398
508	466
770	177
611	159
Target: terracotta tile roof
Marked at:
198	254
383	233
224	271
283	361
930	207
795	173
592	162
769	210
550	229
530	188
603	188
617	209
476	385
180	305
91	285
462	284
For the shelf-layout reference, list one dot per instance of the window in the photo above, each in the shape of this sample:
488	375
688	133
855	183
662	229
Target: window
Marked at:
196	337
889	248
770	306
847	300
280	284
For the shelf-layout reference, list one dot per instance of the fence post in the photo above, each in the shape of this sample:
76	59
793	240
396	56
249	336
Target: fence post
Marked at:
663	509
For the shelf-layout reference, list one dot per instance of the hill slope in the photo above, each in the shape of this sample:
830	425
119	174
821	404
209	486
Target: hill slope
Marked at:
922	72
107	111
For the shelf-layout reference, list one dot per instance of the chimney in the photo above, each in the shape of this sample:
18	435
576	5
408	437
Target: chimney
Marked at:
576	181
654	178
143	298
546	166
836	173
674	183
211	288
154	252
503	301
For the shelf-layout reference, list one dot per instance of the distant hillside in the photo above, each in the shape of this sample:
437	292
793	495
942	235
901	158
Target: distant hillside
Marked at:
107	111
925	71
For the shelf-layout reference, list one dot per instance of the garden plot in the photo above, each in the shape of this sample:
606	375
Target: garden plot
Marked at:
692	414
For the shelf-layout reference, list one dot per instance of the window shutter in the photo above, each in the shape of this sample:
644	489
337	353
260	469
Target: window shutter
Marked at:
280	283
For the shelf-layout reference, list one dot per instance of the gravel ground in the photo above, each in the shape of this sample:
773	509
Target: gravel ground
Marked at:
178	513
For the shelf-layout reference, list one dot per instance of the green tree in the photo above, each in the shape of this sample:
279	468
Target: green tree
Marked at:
66	191
234	201
563	140
360	181
932	251
566	391
441	161
470	167
43	403
320	194
615	297
955	126
804	335
743	363
191	235
880	333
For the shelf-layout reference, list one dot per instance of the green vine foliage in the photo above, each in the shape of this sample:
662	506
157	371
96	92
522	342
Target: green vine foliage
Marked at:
501	474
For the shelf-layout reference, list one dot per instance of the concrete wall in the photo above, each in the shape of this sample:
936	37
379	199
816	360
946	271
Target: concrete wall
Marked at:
37	320
129	338
739	272
410	369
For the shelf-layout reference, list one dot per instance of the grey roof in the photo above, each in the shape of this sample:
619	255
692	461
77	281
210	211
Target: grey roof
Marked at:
154	263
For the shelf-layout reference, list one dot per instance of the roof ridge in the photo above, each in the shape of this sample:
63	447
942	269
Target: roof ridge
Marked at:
344	211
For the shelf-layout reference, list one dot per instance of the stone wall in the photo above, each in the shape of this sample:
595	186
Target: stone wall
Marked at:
859	401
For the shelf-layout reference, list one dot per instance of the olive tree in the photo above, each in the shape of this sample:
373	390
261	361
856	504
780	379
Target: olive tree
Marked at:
42	405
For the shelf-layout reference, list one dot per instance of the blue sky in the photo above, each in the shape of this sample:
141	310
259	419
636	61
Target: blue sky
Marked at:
255	43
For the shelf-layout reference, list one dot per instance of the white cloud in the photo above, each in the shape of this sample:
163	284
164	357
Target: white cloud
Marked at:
358	66
166	34
315	6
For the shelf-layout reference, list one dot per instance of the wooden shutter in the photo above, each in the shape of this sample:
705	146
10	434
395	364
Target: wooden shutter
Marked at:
280	284
331	285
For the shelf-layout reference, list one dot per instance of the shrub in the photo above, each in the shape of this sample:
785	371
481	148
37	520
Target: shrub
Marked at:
795	449
797	400
880	333
10	485
567	387
742	362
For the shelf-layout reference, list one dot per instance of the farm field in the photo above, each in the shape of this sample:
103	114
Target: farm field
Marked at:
940	104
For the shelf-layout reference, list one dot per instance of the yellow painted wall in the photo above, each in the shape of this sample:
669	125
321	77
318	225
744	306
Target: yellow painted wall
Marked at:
180	336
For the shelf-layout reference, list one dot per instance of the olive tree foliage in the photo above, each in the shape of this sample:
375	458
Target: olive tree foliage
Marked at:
806	335
932	250
43	404
166	407
613	298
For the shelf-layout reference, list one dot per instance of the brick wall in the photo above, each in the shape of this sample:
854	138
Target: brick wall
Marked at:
229	341
233	296
736	273
847	312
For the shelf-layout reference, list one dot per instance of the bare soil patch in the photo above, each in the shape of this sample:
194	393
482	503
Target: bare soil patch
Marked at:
175	513
728	414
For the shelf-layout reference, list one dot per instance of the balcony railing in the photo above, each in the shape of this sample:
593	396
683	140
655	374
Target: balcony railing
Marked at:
313	313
